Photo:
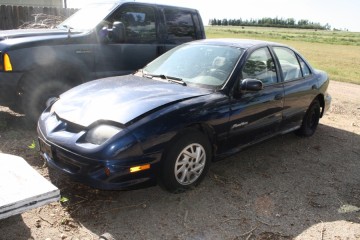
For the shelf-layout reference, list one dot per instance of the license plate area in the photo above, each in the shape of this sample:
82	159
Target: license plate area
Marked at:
45	148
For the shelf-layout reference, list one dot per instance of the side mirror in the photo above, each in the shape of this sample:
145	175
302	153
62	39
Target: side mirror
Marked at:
118	32
114	34
250	85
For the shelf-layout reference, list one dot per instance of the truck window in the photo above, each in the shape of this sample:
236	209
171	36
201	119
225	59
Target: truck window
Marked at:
139	23
180	26
197	24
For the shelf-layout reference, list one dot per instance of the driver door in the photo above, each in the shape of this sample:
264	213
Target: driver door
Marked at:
139	47
257	115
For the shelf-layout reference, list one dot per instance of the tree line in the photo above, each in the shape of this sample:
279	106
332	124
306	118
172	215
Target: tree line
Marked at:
270	22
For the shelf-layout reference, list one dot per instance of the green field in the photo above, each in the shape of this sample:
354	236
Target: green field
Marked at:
336	52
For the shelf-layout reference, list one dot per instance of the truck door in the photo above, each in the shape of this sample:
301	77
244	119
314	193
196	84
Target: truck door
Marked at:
181	26
139	46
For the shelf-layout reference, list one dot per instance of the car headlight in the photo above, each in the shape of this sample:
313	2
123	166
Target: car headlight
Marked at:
99	134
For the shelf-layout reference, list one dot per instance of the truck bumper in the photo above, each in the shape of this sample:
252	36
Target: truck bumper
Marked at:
8	87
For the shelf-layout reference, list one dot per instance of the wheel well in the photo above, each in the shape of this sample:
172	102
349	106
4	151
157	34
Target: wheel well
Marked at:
209	132
68	75
203	128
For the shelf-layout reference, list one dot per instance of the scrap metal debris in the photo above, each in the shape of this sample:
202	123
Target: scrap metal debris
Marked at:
43	20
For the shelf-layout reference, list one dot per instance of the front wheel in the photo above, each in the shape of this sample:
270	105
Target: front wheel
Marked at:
186	162
310	120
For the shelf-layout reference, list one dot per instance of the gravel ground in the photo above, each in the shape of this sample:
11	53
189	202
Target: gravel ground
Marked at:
285	188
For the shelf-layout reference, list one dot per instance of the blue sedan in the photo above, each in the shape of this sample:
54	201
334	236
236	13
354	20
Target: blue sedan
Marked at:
166	123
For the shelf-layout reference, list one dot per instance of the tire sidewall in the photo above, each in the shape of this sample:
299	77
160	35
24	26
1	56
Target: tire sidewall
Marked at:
168	179
307	129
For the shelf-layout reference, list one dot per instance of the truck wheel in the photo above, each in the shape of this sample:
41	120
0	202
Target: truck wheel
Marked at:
36	95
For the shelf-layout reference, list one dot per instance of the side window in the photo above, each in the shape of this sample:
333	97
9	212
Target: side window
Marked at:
197	25
289	63
260	65
139	23
180	26
305	69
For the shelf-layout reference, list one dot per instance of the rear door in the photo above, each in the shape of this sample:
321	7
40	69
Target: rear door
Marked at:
140	46
300	86
257	115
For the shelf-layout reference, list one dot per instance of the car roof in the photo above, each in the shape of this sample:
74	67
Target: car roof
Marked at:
235	42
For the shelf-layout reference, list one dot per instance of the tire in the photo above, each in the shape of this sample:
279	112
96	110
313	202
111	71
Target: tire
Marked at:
186	161
36	95
310	120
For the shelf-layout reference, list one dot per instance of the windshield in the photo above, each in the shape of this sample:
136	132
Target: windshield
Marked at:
88	17
196	64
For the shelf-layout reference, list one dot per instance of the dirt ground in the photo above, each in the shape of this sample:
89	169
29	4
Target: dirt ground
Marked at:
285	188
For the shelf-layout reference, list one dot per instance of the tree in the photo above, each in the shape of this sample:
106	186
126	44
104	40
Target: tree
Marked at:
224	22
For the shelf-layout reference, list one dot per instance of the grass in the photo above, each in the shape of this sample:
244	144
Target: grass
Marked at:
337	53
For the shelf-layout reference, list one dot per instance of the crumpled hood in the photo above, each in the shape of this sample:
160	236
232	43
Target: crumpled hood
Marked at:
21	33
119	99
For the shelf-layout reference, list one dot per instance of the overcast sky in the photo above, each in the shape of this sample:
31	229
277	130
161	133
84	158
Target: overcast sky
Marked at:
341	14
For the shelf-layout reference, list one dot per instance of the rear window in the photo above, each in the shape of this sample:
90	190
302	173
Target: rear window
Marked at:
180	26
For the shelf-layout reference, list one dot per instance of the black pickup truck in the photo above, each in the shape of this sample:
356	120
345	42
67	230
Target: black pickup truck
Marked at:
100	40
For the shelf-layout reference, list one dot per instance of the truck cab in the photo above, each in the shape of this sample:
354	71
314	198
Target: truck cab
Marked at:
100	40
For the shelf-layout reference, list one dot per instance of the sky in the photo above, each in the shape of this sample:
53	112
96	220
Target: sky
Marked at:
340	14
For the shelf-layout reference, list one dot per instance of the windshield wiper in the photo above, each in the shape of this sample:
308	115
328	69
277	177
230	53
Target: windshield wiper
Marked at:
168	78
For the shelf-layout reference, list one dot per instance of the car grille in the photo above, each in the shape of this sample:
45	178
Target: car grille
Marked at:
66	163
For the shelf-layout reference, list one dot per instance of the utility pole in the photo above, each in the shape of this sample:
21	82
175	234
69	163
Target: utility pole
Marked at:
65	3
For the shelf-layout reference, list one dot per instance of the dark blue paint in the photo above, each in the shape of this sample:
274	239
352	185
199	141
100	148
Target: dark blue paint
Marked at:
119	99
153	112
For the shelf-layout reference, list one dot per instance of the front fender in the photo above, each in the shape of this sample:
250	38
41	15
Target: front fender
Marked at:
209	113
